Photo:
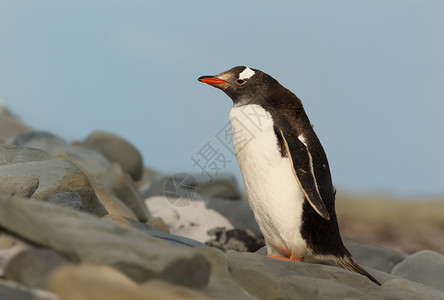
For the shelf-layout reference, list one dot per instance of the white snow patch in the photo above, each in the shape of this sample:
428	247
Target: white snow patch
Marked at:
192	221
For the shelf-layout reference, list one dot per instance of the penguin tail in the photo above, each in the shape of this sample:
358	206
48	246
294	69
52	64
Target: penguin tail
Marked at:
348	263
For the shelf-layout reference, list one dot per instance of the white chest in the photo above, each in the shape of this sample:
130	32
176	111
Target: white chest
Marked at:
273	191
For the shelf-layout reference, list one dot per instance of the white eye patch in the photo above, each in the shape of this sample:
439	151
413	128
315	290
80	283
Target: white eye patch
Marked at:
247	73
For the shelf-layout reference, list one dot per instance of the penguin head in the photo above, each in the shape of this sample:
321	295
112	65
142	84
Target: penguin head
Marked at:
242	84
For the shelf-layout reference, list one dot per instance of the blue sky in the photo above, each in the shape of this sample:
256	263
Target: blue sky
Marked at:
370	75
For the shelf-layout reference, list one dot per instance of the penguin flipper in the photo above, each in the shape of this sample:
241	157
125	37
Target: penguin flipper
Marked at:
301	165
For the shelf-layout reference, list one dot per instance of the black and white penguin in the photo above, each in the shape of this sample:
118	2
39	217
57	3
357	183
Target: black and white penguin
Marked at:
284	169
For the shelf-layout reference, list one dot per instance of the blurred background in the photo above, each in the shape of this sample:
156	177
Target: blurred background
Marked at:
370	75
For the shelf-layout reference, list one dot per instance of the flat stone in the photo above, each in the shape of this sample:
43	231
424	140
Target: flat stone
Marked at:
426	267
117	220
32	267
10	246
173	239
405	289
6	241
110	202
159	289
97	282
21	186
11	154
87	158
116	149
121	185
67	199
37	139
81	236
12	290
55	176
114	205
222	285
268	278
159	224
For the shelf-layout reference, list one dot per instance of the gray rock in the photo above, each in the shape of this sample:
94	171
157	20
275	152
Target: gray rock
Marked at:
173	239
10	125
221	284
33	266
67	199
10	246
21	186
6	241
113	205
88	159
10	290
117	149
179	184
38	139
405	289
10	154
239	213
426	267
158	224
93	281
222	276
224	186
262	251
55	176
378	258
121	185
84	237
267	278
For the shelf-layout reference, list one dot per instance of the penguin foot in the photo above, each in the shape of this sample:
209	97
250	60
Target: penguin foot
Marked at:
292	257
279	257
296	258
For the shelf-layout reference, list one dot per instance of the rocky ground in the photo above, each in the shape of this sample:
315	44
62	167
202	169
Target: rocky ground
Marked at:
89	221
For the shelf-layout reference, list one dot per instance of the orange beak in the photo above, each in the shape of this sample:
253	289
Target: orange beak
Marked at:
211	80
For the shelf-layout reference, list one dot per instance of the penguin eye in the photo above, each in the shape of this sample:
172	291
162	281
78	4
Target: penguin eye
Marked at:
240	81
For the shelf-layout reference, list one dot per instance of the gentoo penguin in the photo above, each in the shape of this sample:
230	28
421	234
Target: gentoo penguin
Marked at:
284	169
